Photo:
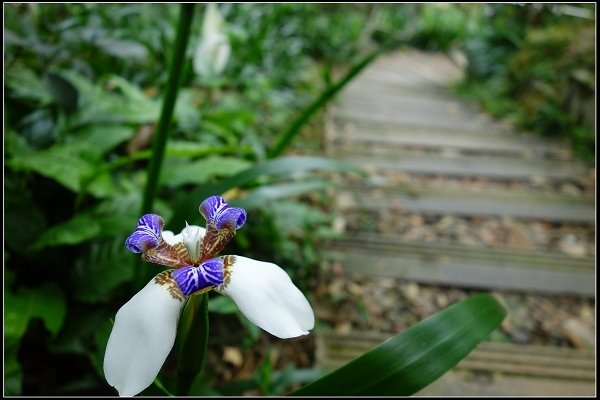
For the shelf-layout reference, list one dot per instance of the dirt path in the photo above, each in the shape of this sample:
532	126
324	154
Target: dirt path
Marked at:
454	203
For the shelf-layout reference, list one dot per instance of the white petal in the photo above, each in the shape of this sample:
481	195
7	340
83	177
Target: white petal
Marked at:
171	238
213	50
191	236
141	339
266	295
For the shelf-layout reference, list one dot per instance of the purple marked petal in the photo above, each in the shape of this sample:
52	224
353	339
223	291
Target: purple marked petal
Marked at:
211	206
231	216
147	235
192	279
217	212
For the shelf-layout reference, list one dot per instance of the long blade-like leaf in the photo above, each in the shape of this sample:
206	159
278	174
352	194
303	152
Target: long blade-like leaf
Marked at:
286	137
406	363
273	192
188	206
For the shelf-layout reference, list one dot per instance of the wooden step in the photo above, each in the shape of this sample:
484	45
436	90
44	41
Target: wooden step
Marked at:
407	103
451	264
369	87
430	108
425	68
349	135
436	66
418	118
464	165
465	202
502	368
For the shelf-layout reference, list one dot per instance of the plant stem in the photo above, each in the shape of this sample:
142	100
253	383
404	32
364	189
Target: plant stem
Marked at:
162	131
192	341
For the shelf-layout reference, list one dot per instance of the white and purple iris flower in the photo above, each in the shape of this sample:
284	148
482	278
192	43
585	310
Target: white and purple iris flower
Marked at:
146	326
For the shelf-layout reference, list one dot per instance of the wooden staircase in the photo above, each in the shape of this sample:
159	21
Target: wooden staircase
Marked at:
400	118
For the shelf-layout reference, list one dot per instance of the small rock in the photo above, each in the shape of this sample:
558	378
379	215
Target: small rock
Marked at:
441	300
339	224
517	236
355	288
410	291
233	355
344	327
416	220
572	245
336	289
569	188
579	334
387	283
446	222
586	313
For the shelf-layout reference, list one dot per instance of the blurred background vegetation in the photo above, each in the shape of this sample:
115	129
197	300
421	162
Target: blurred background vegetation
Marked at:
83	86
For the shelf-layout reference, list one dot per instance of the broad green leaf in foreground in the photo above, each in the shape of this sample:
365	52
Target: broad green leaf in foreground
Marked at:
406	363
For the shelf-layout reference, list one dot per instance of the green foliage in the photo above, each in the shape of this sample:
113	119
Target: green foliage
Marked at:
439	26
205	169
536	63
84	86
45	301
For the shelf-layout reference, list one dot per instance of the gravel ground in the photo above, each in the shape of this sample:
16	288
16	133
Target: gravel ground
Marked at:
355	302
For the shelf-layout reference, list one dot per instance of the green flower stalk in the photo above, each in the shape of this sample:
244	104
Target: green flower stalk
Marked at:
162	131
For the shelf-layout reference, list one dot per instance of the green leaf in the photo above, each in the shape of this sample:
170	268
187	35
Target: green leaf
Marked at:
267	193
100	271
46	302
222	305
101	138
25	222
293	218
69	166
286	166
189	149
406	363
114	216
39	128
125	49
63	92
278	167
23	83
98	105
76	230
187	111
13	376
200	171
